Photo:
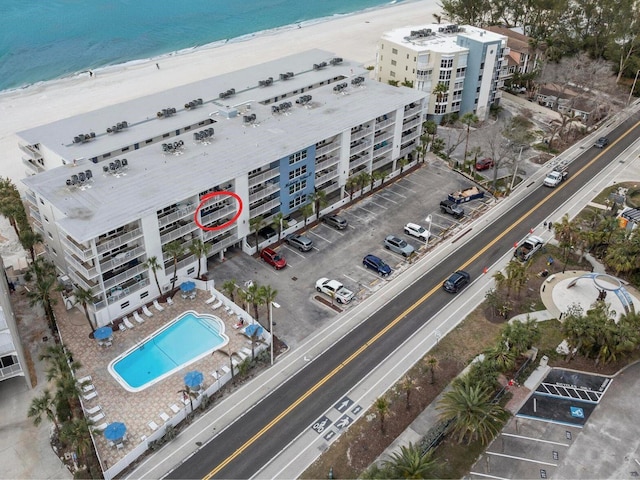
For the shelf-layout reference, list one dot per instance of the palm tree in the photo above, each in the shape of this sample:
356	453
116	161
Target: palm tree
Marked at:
351	185
45	281
230	287
501	356
199	249
407	385
29	239
469	408
402	162
252	296
43	405
440	90
174	249
186	392
84	297
255	224
382	406
363	180
268	294
468	119
566	232
375	176
11	205
153	264
319	200
306	211
411	463
279	223
432	364
76	432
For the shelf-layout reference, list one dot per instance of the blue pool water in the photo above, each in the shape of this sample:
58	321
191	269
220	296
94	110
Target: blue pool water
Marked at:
180	343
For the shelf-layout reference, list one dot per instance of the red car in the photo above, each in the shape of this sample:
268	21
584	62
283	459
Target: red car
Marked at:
273	258
484	164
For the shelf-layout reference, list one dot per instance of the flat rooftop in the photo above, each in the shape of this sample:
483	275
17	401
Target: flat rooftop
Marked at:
438	37
155	179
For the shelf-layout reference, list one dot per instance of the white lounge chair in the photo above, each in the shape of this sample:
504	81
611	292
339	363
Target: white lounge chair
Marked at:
100	427
153	425
127	323
122	327
164	417
225	369
90	396
211	300
96	417
84	379
158	306
247	351
217	305
146	311
215	374
174	408
119	446
169	300
88	388
93	410
137	317
242	355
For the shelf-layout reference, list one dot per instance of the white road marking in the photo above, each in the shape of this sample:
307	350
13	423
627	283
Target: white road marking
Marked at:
522	459
293	250
386	199
535	439
377	205
477	474
396	193
319	236
406	188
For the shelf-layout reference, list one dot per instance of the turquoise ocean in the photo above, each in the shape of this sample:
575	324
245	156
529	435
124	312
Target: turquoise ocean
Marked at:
45	40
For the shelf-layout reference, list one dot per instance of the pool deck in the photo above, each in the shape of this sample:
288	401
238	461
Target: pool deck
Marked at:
137	410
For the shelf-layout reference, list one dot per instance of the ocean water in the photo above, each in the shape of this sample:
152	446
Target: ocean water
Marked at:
44	40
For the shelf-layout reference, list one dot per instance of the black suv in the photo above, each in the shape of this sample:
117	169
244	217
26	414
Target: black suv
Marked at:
601	142
457	281
267	232
452	208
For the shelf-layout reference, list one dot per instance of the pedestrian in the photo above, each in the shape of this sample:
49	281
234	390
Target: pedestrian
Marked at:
90	73
157	66
549	225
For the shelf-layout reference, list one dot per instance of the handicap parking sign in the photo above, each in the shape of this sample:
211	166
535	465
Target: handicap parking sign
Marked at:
577	412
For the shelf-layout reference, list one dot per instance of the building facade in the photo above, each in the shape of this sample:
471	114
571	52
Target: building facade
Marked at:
12	360
522	58
205	161
460	67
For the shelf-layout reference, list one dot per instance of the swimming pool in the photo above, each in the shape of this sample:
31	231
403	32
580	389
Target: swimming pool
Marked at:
178	344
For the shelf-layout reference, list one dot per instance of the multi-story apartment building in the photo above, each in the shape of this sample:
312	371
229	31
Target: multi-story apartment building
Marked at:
12	359
522	58
117	185
461	67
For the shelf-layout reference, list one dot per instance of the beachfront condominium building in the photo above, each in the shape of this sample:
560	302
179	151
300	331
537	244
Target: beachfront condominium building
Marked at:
460	67
126	183
523	57
12	360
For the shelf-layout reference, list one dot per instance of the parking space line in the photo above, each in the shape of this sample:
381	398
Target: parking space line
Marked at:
368	211
406	188
396	193
386	199
522	459
377	205
411	181
292	250
352	279
535	439
311	232
484	475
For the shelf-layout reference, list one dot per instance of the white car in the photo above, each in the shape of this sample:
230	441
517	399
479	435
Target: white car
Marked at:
417	231
334	289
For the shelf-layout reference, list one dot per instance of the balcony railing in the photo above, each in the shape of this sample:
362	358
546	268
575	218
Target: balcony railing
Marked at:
361	133
263	177
168	264
327	162
177	215
35	214
384	123
77	279
117	241
381	163
327	148
265	192
87	272
413	110
121	258
407	150
134	287
10	371
381	151
214	233
410	124
360	148
359	161
131	272
325	178
265	207
31	197
33	165
83	252
178	232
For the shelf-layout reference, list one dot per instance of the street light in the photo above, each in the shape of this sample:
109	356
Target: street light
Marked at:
271	305
428	220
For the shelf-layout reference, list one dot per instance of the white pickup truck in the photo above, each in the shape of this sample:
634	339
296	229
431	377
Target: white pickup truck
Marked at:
526	249
334	289
555	178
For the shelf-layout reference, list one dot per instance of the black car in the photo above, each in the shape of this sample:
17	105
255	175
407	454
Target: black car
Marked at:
457	281
267	232
601	142
376	264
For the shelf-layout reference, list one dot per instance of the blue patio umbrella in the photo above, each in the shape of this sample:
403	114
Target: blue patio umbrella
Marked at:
115	431
193	379
188	286
103	333
253	329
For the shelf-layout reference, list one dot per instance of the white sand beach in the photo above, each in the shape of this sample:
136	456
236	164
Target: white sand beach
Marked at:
353	37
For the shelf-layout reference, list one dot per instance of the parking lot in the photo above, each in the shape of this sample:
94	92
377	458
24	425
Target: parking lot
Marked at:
338	254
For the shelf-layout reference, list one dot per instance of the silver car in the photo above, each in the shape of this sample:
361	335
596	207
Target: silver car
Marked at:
302	243
398	245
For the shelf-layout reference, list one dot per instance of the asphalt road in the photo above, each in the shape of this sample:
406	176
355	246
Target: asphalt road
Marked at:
245	446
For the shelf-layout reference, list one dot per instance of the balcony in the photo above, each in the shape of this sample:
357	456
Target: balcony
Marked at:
381	163
382	150
269	189
358	161
327	162
78	280
416	109
325	178
361	133
383	123
265	207
35	214
208	235
407	150
121	258
33	165
360	148
106	244
221	243
327	148
31	197
168	264
126	289
87	272
127	274
263	177
178	233
10	371
180	212
83	252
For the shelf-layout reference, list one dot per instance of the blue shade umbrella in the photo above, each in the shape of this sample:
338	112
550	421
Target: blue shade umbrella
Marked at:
103	333
193	379
115	431
253	329
188	286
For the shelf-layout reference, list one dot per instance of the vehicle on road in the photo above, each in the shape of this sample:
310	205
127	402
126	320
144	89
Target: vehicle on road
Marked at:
484	164
452	208
457	281
526	249
335	290
601	142
302	243
555	178
376	264
335	221
267	232
398	245
273	258
417	231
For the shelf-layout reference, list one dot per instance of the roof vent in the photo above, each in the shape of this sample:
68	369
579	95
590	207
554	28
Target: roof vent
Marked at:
193	104
303	100
228	93
335	61
319	66
84	137
118	127
265	83
166	112
82	180
286	76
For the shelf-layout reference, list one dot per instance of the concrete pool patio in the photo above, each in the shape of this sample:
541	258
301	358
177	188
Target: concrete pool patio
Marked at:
158	402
